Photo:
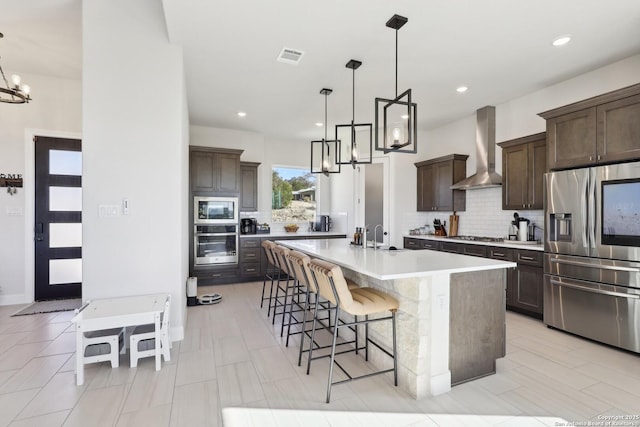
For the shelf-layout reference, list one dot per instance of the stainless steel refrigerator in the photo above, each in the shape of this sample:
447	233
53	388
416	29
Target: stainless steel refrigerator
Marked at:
592	253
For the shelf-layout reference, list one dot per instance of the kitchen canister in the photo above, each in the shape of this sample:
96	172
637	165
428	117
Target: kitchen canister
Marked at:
523	230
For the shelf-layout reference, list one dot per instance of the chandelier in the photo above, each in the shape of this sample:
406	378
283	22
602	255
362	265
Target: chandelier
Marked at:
16	93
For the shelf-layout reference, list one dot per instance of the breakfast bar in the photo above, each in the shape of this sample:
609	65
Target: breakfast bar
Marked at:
451	320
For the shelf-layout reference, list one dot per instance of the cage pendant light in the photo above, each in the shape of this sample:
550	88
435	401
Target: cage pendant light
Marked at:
356	139
15	93
395	119
325	154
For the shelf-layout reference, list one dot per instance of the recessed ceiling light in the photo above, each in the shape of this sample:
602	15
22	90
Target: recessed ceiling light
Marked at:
462	89
319	124
242	114
562	40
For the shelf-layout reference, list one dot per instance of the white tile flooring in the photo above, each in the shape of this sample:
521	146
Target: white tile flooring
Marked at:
233	357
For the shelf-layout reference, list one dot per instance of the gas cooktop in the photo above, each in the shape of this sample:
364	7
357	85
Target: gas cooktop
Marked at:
478	238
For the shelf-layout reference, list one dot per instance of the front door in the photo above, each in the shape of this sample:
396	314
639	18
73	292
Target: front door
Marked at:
58	218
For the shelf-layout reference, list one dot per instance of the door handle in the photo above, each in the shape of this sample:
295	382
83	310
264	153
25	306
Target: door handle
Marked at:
601	267
595	291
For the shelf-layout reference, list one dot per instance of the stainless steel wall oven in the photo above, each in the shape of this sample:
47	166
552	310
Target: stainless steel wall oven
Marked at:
592	253
215	244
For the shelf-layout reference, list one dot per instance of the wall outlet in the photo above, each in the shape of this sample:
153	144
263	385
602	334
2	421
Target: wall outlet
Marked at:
108	211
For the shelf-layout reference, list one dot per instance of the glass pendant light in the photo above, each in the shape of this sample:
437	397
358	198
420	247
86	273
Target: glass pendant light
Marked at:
325	153
356	139
395	119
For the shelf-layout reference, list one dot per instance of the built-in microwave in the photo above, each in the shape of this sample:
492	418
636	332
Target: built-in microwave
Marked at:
215	210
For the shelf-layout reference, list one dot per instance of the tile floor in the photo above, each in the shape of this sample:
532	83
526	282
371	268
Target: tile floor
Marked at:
232	356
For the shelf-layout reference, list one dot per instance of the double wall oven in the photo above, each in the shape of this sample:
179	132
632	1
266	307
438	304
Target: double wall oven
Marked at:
592	253
215	226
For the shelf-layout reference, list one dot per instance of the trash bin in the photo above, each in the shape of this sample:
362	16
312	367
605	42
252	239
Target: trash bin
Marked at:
192	291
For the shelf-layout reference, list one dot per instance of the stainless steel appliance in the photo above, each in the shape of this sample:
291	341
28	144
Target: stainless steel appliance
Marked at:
215	210
215	244
592	253
323	223
248	226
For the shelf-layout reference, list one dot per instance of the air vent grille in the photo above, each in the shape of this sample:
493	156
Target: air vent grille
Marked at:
290	56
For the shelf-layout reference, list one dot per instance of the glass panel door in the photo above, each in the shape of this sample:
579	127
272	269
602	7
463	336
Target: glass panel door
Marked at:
58	218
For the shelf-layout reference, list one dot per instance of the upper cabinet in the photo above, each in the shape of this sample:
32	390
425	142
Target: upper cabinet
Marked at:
598	130
215	170
434	179
524	162
249	183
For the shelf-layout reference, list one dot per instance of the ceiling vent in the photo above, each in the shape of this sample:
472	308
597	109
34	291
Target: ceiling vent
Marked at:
290	56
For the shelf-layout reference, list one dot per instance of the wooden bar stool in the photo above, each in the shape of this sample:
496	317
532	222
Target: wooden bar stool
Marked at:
356	302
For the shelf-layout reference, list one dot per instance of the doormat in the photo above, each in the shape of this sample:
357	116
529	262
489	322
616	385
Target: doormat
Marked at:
50	306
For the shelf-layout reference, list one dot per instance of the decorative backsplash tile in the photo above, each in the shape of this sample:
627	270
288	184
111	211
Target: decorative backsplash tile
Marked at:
483	216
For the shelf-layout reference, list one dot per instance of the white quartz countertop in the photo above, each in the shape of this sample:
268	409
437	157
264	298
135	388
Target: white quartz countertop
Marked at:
387	265
531	246
298	234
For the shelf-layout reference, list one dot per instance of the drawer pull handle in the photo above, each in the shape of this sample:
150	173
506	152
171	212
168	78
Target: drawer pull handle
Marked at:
216	275
527	258
498	254
250	255
251	269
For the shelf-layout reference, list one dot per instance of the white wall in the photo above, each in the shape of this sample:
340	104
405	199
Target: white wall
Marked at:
56	108
134	147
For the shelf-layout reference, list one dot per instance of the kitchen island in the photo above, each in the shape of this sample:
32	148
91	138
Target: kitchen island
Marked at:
451	316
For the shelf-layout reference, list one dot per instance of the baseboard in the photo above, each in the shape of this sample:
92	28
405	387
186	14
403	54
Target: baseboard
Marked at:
13	299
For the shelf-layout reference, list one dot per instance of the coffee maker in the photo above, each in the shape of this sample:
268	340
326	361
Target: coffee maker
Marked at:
248	225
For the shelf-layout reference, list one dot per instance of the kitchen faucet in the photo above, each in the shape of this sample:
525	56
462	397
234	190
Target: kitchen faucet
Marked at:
375	234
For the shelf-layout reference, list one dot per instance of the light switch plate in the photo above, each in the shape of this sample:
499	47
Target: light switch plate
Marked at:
105	211
14	211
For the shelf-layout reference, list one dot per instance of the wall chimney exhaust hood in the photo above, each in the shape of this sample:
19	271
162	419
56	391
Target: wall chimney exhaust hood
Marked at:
486	175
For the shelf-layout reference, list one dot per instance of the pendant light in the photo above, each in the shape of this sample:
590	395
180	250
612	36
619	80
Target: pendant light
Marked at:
325	154
395	119
352	152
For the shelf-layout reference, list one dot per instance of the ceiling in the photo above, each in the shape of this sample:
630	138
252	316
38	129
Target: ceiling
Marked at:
500	49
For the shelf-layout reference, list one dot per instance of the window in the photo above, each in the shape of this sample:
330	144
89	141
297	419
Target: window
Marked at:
293	196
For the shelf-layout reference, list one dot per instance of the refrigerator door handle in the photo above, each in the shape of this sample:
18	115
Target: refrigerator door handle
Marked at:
592	207
595	291
602	267
583	212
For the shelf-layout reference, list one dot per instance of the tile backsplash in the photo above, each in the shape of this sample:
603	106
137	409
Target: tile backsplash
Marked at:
483	216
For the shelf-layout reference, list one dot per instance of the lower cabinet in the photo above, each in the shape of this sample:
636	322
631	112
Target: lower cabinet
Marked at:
524	283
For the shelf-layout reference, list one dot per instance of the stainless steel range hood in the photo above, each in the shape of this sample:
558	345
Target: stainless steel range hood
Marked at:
486	175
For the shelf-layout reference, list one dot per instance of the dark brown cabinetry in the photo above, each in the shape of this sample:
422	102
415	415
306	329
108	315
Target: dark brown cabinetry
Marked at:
527	282
524	283
434	179
524	163
215	170
598	130
249	186
250	253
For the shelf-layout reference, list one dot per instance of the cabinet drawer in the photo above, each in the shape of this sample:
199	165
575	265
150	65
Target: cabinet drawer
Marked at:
410	243
529	257
249	242
505	254
430	244
249	255
250	269
474	250
218	274
451	247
